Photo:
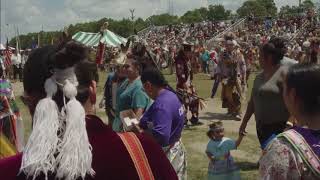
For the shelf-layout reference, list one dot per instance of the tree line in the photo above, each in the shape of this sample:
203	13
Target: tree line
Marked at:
126	27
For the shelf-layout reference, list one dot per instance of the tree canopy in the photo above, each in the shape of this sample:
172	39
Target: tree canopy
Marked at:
308	4
163	19
125	27
192	17
289	10
270	7
218	12
296	10
252	8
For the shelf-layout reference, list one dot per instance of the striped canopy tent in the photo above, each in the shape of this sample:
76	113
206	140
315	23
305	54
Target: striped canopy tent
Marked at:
92	39
2	47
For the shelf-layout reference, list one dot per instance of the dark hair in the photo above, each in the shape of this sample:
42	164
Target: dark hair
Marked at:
142	55
137	64
209	134
276	53
305	79
43	61
1	72
187	47
229	37
154	76
213	126
139	49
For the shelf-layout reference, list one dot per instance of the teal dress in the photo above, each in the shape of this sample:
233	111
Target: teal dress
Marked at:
223	166
129	96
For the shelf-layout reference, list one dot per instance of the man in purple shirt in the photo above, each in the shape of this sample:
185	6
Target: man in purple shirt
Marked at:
165	118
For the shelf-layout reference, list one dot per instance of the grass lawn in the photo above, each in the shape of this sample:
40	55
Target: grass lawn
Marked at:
194	139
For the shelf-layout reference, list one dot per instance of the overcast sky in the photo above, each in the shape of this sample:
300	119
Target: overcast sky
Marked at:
31	15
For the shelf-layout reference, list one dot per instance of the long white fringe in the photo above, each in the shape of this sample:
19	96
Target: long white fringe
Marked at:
38	155
70	155
75	156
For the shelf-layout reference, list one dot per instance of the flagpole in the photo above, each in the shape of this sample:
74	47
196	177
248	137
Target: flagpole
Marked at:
17	41
39	39
19	38
7	31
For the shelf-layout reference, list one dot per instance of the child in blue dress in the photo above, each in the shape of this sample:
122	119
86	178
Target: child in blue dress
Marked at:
221	165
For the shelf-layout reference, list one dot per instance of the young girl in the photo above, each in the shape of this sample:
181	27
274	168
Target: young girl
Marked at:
221	166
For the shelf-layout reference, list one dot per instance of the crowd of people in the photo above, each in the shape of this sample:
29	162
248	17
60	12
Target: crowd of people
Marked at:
13	67
146	116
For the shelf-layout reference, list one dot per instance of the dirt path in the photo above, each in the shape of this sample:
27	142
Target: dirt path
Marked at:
215	112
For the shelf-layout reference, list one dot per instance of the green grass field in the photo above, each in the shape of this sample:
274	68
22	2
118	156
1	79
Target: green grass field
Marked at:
194	139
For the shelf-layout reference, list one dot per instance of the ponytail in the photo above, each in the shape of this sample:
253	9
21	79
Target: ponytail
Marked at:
156	78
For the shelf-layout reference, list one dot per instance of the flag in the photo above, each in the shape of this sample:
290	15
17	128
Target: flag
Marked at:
7	55
7	59
100	53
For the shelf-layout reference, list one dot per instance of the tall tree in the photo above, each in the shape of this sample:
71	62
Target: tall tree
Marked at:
140	24
270	7
289	11
252	7
191	17
308	4
204	12
163	19
218	12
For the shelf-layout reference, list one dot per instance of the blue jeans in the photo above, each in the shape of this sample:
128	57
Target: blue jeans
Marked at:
205	67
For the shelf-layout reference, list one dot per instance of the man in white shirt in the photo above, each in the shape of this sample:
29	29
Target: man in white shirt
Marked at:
16	62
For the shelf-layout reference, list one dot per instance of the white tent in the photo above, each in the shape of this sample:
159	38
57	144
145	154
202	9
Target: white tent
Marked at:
92	39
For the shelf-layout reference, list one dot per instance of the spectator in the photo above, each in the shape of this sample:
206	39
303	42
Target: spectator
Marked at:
295	153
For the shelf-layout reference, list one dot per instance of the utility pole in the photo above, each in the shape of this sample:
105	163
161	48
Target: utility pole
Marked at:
132	18
7	32
132	14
